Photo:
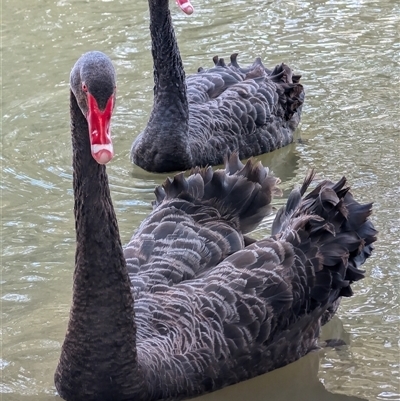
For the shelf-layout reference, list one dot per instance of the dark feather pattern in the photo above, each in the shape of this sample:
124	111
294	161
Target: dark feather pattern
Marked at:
186	308
227	108
261	307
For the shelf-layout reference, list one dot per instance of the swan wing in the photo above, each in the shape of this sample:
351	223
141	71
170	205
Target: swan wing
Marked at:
251	109
261	307
197	222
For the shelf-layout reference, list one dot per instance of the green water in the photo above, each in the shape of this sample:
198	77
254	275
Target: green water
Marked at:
348	55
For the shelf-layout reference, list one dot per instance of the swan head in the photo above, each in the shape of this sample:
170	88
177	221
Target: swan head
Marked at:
93	82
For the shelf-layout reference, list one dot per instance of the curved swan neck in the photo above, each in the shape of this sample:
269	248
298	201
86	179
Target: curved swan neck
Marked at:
100	344
167	131
169	76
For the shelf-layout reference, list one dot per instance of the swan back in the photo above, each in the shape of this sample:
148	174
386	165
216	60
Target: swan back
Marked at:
245	312
198	221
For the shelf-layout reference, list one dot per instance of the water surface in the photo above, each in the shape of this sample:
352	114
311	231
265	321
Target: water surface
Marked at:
348	55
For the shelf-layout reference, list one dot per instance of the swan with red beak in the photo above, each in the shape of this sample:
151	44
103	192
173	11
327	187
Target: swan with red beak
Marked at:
96	99
99	129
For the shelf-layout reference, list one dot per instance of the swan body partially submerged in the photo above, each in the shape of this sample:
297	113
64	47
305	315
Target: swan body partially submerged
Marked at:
198	121
193	303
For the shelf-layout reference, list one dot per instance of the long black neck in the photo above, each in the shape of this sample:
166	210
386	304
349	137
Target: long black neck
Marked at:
98	359
169	76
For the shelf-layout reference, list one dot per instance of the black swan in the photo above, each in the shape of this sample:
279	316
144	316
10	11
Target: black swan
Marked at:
215	112
193	304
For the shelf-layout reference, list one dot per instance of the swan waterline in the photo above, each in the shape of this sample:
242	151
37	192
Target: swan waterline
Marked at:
228	108
193	303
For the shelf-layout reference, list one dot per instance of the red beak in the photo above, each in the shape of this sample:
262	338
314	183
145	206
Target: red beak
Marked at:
99	129
185	6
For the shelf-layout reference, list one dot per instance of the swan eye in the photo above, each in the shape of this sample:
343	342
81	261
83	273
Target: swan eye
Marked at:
84	87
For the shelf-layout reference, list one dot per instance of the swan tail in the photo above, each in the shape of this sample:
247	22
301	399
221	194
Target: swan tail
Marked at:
290	91
241	193
331	233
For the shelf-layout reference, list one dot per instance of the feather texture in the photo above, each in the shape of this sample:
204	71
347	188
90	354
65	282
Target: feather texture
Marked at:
227	108
255	308
186	307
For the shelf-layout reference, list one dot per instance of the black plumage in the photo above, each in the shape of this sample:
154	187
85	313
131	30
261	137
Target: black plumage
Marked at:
186	308
200	120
